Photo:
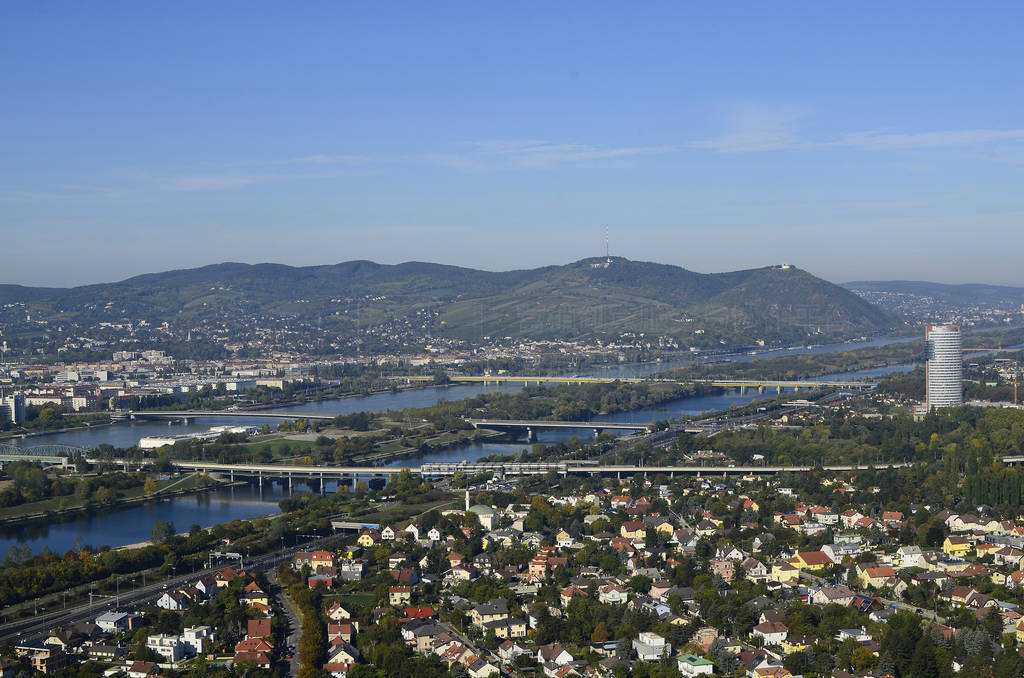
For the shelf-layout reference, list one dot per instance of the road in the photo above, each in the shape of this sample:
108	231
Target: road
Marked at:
294	625
31	629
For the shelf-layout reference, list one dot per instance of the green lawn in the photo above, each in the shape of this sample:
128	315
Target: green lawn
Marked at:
400	513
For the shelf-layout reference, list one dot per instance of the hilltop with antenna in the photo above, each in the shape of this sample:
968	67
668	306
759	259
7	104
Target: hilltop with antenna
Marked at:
607	253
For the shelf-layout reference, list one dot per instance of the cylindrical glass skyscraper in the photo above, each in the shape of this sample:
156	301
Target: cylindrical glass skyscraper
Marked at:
944	369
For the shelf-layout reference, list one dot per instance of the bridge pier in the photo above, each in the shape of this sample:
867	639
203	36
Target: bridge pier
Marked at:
598	432
321	483
743	391
530	435
760	389
778	389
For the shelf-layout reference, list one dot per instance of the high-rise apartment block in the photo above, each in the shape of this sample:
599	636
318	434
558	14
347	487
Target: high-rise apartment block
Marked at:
944	366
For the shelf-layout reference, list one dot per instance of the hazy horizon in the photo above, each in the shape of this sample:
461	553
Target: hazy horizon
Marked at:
858	143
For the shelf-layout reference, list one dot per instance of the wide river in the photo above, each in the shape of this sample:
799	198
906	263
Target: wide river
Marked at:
134	524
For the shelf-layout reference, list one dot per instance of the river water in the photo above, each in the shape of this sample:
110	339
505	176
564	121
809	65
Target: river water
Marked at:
134	524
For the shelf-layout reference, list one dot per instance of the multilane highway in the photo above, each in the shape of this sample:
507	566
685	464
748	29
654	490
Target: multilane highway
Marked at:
25	630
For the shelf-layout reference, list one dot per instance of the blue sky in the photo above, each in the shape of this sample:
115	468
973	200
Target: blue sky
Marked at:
858	141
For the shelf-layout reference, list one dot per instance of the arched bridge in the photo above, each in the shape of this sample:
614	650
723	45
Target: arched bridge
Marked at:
45	454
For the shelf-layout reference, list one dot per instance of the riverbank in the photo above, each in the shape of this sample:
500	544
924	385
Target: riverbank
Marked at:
50	509
67	429
144	544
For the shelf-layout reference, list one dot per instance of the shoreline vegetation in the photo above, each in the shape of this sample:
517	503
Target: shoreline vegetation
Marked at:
50	509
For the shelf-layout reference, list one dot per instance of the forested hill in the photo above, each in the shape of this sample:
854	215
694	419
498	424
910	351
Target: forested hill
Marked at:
586	299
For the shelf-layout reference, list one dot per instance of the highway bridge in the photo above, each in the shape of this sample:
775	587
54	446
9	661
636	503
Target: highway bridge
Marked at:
291	473
526	380
530	426
779	386
742	384
321	474
257	414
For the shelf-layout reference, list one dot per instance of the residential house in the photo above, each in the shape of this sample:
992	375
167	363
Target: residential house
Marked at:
633	530
554	654
115	622
651	647
488	612
173	600
167	647
143	670
692	665
613	593
773	633
956	546
754	570
877	577
399	595
811	560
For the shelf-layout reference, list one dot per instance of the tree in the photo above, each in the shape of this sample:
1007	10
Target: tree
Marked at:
600	633
1008	664
162	531
862	659
150	486
640	583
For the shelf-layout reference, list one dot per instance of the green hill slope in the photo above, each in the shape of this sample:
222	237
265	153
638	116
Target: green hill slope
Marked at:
588	299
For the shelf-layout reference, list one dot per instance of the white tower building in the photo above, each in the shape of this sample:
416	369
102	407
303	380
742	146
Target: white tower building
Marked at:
944	368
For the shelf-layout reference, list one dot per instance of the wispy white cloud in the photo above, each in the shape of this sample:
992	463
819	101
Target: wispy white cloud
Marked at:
520	154
756	131
218	181
215	181
761	131
943	139
65	192
459	162
318	159
242	173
